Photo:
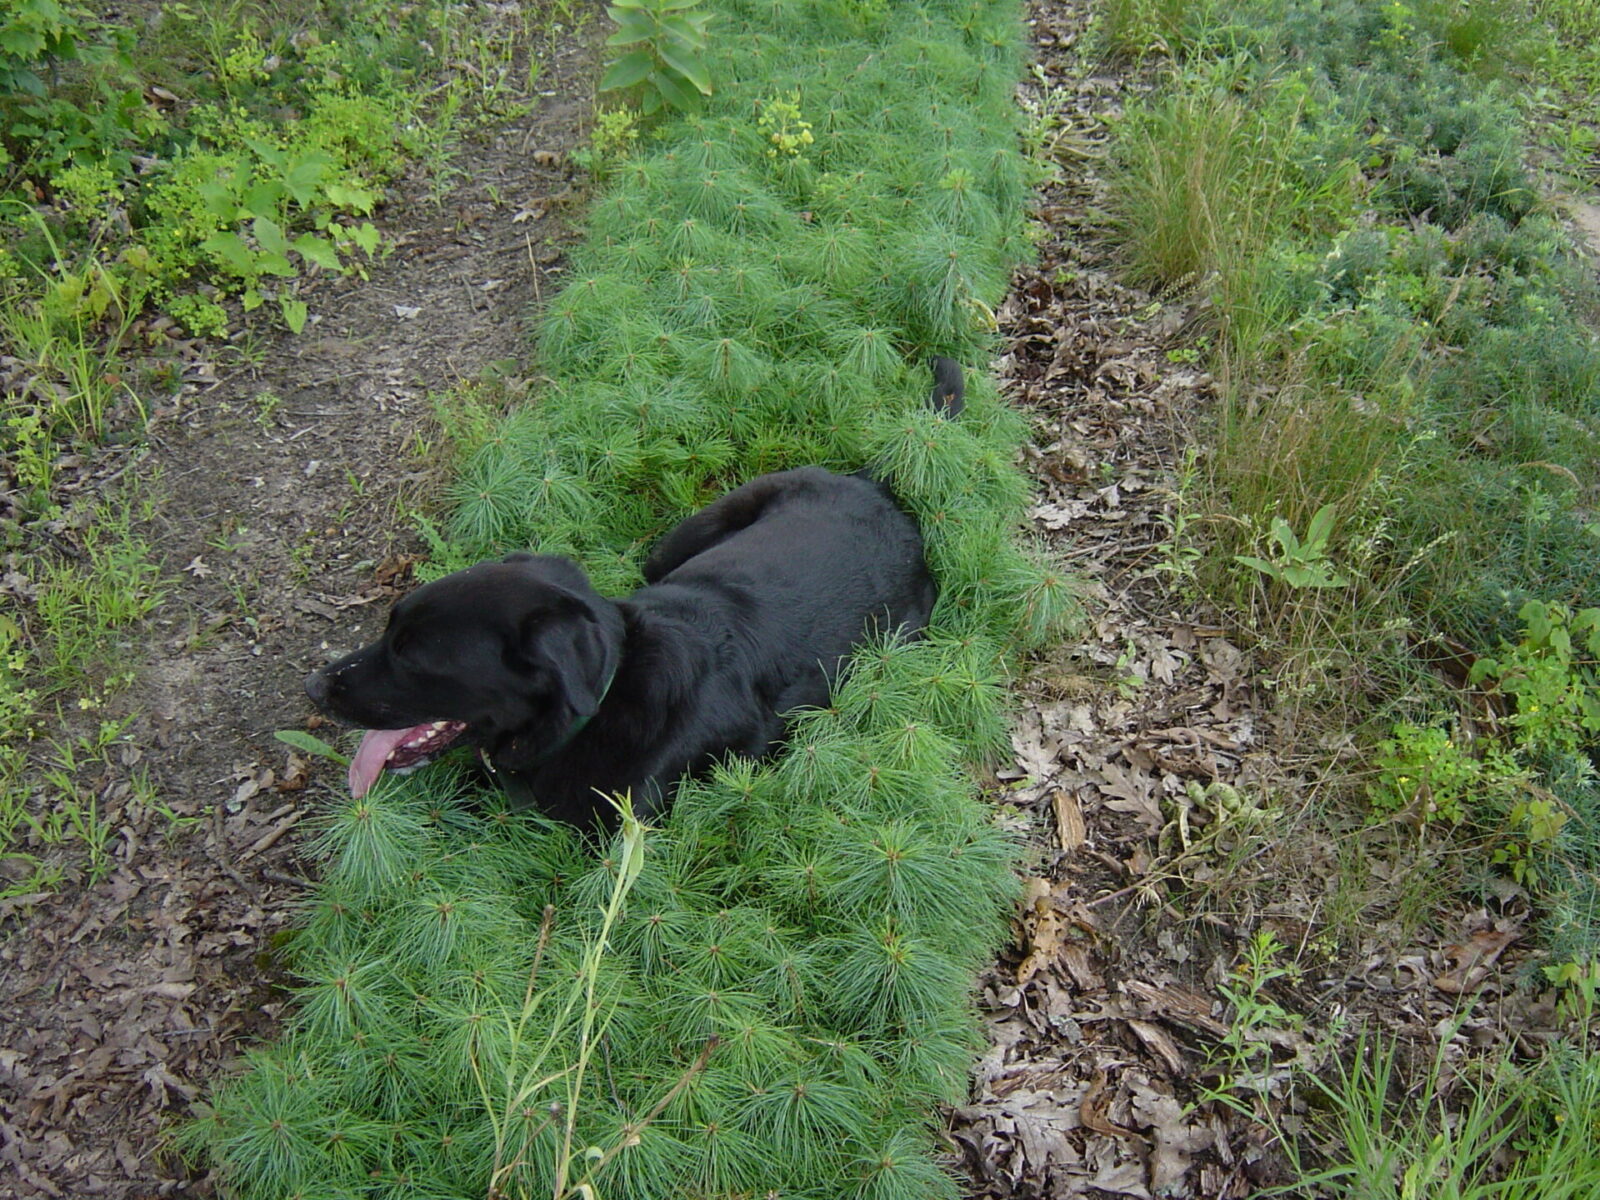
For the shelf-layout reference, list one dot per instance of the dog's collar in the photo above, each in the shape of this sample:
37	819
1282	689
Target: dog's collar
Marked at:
573	730
577	726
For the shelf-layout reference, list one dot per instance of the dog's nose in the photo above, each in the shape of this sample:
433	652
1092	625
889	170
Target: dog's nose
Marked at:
317	687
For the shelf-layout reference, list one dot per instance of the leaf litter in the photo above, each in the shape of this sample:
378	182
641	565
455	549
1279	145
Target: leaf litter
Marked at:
1163	793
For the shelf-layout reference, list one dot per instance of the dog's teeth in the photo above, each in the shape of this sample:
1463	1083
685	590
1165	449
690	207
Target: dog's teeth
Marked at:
440	724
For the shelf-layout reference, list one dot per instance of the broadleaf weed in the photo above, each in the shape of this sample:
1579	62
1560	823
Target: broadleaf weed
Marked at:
668	68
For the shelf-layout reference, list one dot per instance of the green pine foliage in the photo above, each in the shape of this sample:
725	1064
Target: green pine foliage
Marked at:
775	999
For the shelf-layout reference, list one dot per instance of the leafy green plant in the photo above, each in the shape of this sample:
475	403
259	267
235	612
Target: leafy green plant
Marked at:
1425	770
668	66
235	212
1242	1060
1579	985
315	746
781	122
45	132
1551	675
1299	562
32	34
1180	551
615	132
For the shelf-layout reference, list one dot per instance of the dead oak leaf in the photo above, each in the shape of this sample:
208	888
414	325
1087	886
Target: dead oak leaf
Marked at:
1132	794
1094	1105
1174	1141
1043	927
198	568
1473	958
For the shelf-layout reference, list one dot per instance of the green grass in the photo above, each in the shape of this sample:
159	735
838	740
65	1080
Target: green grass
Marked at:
1467	1131
73	649
795	955
1399	479
1133	29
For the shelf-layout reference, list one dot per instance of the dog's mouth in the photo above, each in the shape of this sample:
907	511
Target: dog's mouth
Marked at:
399	750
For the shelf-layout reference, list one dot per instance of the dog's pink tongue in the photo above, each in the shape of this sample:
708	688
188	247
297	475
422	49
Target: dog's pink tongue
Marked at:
367	765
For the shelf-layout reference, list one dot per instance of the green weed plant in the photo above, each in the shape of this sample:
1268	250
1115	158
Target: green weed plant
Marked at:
1299	562
783	993
1467	1131
666	65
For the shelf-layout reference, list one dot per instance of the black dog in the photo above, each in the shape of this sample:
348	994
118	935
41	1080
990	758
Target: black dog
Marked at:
749	607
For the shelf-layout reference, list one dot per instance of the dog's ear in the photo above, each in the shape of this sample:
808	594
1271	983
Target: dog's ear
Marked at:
569	642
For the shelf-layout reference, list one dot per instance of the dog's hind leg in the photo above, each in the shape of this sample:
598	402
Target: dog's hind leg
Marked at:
717	521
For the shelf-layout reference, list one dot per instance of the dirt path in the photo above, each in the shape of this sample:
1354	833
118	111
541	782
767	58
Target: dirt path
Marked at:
282	480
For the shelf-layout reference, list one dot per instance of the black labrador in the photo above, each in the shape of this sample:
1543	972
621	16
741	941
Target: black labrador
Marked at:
749	607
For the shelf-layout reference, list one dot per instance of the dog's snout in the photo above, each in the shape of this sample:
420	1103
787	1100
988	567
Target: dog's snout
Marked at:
317	687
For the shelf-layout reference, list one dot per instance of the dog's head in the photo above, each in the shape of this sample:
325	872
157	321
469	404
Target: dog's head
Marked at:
511	656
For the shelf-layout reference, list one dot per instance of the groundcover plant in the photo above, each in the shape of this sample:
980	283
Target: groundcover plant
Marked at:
768	995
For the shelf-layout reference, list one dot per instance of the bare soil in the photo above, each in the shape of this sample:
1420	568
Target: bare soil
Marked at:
283	471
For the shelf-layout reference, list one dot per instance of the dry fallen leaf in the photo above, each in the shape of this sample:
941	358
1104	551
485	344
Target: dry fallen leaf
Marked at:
1473	958
295	776
1043	928
1092	1109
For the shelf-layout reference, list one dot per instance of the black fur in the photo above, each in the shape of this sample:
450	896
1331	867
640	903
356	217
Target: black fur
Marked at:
749	608
949	386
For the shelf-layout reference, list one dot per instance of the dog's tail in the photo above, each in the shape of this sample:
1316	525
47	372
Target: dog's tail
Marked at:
949	395
948	398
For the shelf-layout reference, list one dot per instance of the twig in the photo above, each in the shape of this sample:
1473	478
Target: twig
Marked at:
631	1130
291	880
534	263
220	833
267	840
538	954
